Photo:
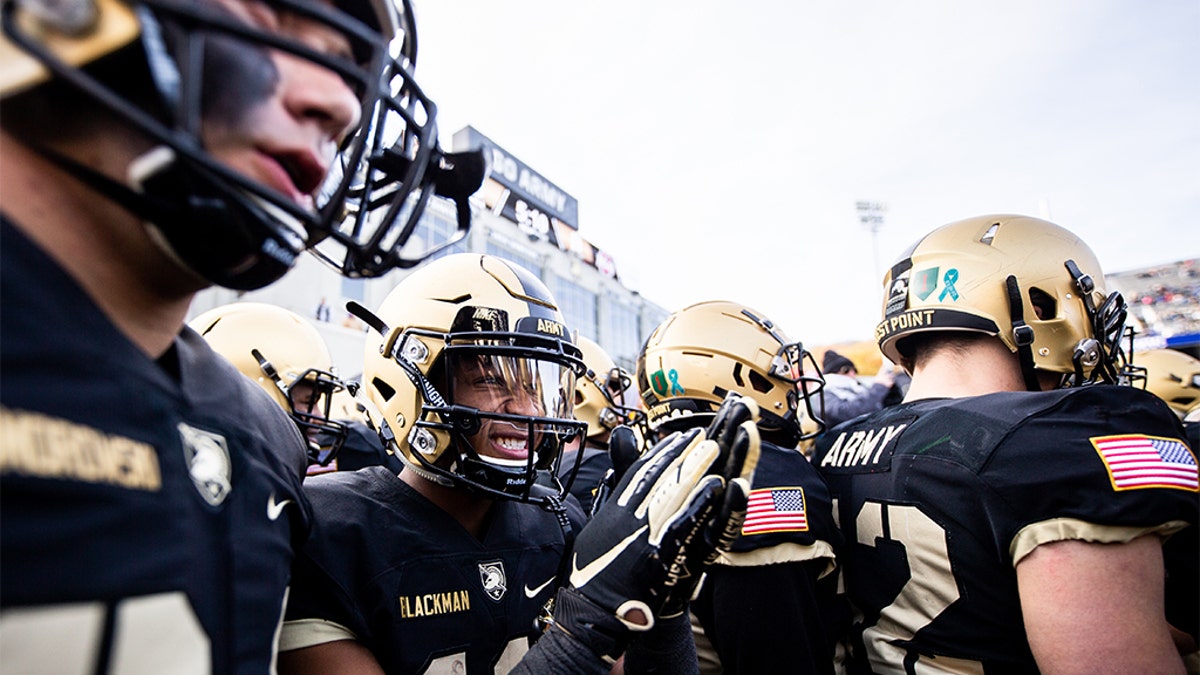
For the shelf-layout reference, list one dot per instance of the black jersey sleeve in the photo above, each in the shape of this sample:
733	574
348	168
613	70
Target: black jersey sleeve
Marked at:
764	606
320	576
771	618
1102	464
790	508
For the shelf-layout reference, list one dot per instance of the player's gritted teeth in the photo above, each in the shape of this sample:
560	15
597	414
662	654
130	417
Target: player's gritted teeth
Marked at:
510	447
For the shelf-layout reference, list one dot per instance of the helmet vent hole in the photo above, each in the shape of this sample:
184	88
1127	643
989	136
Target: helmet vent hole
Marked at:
385	390
737	375
990	234
1043	303
761	384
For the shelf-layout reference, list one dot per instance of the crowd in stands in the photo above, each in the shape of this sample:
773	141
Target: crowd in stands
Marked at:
1164	300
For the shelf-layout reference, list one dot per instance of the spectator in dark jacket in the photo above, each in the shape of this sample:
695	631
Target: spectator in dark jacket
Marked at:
846	397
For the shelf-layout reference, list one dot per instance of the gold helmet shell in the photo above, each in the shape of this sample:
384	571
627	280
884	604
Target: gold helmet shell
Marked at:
1172	376
287	357
702	353
1035	285
457	310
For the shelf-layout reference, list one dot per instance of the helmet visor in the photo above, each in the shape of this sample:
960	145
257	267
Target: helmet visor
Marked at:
310	397
524	405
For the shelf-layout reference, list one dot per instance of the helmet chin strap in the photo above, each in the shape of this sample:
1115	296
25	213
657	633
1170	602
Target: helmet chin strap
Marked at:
144	206
183	225
1022	334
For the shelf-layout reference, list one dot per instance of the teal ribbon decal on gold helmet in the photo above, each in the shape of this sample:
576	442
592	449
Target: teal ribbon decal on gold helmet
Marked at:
949	280
675	387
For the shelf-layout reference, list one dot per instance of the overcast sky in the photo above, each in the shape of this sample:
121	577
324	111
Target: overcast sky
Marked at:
717	149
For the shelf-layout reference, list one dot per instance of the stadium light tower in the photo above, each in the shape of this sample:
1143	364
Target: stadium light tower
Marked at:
870	214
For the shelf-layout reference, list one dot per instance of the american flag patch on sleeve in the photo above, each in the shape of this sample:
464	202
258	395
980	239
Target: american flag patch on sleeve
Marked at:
1135	461
779	509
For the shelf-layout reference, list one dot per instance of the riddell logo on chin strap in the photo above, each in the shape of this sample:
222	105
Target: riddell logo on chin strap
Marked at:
273	249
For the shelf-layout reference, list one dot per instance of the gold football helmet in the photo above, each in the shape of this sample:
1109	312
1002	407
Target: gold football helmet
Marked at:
1172	376
1033	284
461	323
167	68
701	353
286	356
602	394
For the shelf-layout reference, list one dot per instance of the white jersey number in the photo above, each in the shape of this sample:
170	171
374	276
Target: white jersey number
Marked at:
456	664
929	590
151	634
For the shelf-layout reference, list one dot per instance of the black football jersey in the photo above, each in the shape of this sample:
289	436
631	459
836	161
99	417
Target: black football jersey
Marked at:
767	606
415	587
938	499
150	509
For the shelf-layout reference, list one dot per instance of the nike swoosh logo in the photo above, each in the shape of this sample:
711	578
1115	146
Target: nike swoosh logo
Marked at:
581	576
274	509
532	592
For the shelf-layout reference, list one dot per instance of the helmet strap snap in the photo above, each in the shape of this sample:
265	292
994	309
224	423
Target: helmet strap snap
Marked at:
1022	334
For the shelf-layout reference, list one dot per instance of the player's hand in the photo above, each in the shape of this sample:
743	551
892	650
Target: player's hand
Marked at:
886	377
645	550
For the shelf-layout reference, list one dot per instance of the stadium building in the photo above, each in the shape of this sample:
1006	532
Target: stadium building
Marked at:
518	215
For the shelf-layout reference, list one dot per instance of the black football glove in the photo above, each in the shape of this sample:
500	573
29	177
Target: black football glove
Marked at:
645	550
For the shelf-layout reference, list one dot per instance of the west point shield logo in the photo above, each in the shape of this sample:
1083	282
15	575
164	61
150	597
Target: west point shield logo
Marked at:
925	282
493	578
658	381
207	458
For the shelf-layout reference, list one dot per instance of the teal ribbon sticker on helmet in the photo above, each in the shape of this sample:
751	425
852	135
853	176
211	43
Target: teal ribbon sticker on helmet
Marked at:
675	387
949	280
